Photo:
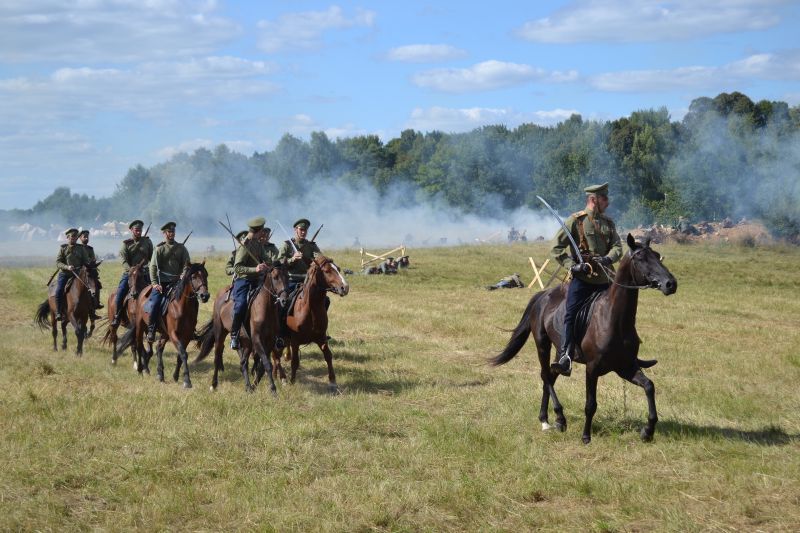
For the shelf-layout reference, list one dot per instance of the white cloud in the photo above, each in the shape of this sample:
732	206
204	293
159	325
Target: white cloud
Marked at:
145	89
650	20
303	31
453	120
486	76
784	65
424	53
106	30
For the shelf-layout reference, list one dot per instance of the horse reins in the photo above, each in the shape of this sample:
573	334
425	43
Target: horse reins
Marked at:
610	274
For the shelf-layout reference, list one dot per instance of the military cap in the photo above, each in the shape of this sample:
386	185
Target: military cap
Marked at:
83	232
241	235
597	189
303	223
168	226
136	222
255	224
70	231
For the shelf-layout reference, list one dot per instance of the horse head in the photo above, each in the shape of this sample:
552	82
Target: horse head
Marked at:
136	277
278	277
647	267
198	277
334	280
90	277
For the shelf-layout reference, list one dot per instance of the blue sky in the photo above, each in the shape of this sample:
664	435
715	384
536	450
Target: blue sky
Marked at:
91	88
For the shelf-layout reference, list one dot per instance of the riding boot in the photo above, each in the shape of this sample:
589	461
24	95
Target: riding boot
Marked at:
235	327
564	364
115	320
97	303
151	328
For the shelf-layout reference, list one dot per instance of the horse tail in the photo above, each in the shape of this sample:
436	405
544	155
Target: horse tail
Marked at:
519	337
106	338
126	340
204	338
42	316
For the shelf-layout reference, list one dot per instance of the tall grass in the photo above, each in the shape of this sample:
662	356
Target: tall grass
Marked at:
425	436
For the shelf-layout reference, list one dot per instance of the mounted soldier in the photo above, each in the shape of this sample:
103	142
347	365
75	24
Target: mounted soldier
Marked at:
250	261
166	267
134	250
299	253
83	240
600	247
71	257
273	253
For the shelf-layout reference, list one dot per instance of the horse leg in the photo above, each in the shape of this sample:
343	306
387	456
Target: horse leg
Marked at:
183	358
112	337
295	360
80	333
637	377
333	388
54	326
591	402
219	345
277	368
266	363
159	358
244	358
63	335
91	329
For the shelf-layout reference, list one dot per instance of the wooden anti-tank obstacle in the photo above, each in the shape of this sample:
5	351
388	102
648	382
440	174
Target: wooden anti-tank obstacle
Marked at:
538	271
381	257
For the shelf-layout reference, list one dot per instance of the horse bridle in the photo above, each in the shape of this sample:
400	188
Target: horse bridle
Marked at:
610	274
195	290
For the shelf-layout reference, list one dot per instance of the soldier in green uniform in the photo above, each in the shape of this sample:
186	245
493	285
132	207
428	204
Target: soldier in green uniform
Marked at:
71	257
134	250
599	243
166	266
389	266
229	265
299	253
273	253
83	239
250	261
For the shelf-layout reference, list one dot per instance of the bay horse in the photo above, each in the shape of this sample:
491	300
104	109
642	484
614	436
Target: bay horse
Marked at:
137	281
177	325
79	300
260	329
309	321
610	343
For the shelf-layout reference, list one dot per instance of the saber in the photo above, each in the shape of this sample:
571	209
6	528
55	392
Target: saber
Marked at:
187	237
238	244
230	226
564	227
317	233
289	235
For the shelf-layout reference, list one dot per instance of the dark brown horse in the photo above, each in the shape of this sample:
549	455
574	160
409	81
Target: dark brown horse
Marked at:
137	281
259	331
610	343
309	320
177	325
79	300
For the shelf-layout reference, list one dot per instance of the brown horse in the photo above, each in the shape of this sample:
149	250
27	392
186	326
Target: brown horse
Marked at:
79	300
137	281
177	325
610	343
309	320
259	331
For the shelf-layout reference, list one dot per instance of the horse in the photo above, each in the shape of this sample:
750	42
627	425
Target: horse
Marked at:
261	327
136	283
79	300
178	323
610	343
309	320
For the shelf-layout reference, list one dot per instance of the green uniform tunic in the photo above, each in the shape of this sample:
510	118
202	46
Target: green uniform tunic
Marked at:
133	251
72	255
89	252
244	265
168	262
601	239
298	269
229	264
273	254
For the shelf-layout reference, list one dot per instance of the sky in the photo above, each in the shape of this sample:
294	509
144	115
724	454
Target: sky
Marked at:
91	88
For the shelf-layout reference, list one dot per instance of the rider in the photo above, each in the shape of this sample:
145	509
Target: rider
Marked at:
600	246
299	253
251	260
71	256
134	250
273	253
83	237
229	265
166	266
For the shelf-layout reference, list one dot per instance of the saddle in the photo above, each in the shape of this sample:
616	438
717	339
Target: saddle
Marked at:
298	290
582	319
148	305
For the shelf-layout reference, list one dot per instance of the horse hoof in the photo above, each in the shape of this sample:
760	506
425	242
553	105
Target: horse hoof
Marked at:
135	366
561	426
546	426
161	379
646	435
146	371
586	439
113	362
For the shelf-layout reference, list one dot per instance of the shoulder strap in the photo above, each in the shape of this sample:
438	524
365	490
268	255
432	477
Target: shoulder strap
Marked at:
127	241
582	243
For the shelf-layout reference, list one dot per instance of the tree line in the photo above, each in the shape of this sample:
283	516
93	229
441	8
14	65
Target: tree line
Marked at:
728	156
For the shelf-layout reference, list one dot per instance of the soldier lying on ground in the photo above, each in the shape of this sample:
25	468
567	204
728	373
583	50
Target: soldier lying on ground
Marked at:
508	282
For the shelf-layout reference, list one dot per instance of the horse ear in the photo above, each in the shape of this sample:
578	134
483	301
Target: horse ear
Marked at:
204	262
632	244
647	243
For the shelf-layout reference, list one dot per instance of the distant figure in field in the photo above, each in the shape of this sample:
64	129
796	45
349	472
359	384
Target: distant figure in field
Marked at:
509	282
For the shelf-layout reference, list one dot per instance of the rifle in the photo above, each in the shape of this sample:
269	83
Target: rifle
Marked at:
230	226
187	237
290	237
148	229
51	278
238	244
317	233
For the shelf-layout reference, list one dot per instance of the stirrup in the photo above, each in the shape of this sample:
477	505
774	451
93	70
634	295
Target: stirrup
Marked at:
280	343
234	342
563	366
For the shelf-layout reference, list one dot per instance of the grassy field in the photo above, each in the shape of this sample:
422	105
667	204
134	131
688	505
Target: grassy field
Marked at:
425	436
